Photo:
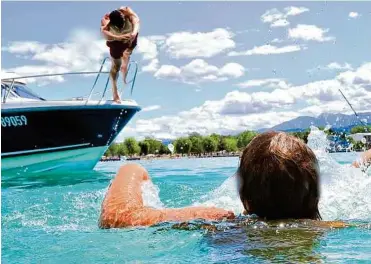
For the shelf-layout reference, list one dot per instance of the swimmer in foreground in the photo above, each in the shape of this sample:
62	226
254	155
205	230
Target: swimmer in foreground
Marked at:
278	179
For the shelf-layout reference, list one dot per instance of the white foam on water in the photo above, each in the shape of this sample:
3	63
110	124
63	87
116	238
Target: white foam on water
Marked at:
150	194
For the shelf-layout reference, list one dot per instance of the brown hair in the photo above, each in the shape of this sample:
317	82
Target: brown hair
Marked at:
279	178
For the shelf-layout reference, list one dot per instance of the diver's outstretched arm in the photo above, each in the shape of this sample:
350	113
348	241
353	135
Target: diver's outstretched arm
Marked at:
123	205
365	159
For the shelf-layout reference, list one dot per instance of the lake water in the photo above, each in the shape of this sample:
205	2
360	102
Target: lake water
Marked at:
53	218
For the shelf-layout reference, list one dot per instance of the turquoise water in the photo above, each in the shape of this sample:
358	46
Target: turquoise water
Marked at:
53	218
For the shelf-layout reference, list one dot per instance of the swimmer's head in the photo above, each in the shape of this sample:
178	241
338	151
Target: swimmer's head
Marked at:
116	18
279	178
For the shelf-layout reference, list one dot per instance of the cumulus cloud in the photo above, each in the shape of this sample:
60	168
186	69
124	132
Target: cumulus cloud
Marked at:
238	111
267	50
198	71
309	32
353	15
271	83
151	108
278	18
333	66
152	66
200	44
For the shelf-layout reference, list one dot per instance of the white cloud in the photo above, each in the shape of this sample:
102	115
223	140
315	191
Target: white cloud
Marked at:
353	15
309	32
152	66
333	66
151	108
168	71
294	11
267	50
19	47
232	69
337	66
147	47
198	71
276	40
360	77
199	44
239	111
271	83
280	23
277	18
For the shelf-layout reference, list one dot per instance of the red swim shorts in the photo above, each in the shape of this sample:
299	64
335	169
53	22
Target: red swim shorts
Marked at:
116	48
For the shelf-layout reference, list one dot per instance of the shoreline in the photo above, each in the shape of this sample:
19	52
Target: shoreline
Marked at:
180	156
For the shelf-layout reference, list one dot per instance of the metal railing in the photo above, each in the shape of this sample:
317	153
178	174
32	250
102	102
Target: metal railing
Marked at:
132	81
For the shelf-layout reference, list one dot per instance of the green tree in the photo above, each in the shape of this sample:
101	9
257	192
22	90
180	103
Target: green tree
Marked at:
210	144
303	135
358	145
114	149
360	129
144	147
244	138
164	149
216	137
154	145
132	146
183	145
122	151
229	144
197	146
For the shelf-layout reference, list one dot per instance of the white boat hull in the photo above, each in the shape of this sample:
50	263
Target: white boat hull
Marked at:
64	160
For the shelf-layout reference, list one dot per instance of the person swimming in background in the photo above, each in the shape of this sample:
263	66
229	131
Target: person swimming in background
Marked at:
120	28
278	179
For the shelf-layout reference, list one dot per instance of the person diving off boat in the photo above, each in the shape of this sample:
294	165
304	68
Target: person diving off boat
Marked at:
120	28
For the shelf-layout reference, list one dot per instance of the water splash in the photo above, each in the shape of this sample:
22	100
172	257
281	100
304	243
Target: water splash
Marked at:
345	191
150	193
226	196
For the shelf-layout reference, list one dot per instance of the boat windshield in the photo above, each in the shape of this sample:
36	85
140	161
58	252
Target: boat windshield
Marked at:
21	91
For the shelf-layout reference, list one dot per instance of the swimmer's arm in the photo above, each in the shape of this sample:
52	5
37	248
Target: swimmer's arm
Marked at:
134	18
107	34
123	205
147	216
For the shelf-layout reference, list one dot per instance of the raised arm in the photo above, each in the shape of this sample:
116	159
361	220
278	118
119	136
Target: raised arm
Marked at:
104	28
123	205
134	18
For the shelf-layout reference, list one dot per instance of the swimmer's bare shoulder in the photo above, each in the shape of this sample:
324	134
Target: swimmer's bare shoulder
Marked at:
123	204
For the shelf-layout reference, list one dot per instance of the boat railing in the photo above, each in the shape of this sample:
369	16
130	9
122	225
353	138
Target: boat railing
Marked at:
12	80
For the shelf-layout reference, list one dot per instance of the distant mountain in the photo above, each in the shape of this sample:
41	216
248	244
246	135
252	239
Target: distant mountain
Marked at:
337	122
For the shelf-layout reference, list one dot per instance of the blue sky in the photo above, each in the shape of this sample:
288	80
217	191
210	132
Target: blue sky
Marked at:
205	66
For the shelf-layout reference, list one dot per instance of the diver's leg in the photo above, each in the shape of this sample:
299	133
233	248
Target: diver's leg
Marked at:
125	62
114	72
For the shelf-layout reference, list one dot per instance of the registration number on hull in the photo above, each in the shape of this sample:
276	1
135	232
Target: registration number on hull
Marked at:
13	121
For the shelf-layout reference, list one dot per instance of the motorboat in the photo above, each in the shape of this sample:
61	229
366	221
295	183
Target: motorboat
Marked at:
39	135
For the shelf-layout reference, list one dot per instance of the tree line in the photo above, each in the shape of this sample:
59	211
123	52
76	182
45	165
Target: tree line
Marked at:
197	144
194	143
